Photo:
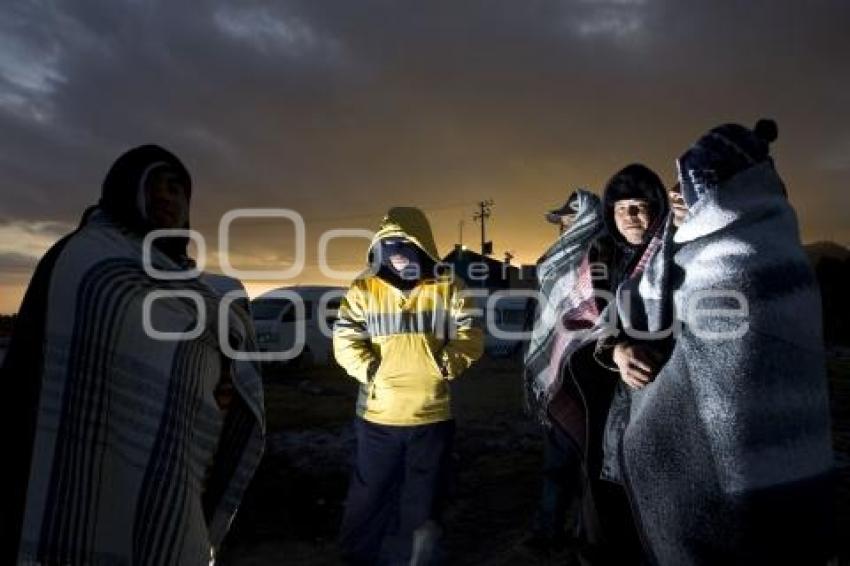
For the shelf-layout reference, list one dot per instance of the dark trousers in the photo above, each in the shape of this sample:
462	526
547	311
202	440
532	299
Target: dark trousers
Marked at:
398	483
562	485
606	529
620	542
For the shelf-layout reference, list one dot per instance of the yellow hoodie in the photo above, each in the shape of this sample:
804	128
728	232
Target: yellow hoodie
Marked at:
393	342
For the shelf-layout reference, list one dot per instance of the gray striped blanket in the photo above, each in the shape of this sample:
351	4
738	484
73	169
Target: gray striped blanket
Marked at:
727	454
133	462
566	304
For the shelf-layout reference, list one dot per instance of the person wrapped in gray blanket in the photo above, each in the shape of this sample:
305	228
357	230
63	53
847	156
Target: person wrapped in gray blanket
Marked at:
726	455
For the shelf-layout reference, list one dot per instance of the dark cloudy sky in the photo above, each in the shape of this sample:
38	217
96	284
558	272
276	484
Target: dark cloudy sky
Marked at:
341	108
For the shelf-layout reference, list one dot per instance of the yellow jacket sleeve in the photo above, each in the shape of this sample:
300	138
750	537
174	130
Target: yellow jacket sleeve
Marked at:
466	338
351	340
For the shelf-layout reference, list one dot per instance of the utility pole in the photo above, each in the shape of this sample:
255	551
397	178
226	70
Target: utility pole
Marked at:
460	226
484	212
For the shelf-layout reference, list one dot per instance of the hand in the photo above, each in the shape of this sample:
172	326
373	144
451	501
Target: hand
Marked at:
636	364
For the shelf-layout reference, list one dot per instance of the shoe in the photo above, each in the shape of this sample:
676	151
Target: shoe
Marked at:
425	540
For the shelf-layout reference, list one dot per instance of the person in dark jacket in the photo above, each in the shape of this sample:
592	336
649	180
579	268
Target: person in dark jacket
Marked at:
636	209
575	404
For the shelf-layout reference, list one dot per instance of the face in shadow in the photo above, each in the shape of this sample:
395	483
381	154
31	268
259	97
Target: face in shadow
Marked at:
677	204
399	262
567	221
167	204
632	217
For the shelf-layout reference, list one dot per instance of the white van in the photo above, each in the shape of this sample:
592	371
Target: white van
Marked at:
277	318
509	315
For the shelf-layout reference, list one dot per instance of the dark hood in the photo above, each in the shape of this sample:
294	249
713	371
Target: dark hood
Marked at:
632	182
120	192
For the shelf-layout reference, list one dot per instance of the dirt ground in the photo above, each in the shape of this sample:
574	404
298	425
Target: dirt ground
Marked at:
292	511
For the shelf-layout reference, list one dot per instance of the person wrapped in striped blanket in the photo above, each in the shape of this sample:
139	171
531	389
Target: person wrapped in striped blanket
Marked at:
124	447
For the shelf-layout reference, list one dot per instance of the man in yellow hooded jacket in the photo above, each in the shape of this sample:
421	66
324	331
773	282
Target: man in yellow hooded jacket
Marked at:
404	331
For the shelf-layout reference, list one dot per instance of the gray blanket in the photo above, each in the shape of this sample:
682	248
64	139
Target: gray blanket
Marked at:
727	453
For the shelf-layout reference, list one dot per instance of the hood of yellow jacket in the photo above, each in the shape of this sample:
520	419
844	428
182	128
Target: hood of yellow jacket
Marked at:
410	223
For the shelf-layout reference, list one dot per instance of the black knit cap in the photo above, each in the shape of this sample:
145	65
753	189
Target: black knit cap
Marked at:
722	153
121	186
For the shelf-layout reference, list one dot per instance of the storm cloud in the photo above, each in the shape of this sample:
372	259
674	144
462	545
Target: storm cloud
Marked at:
339	108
